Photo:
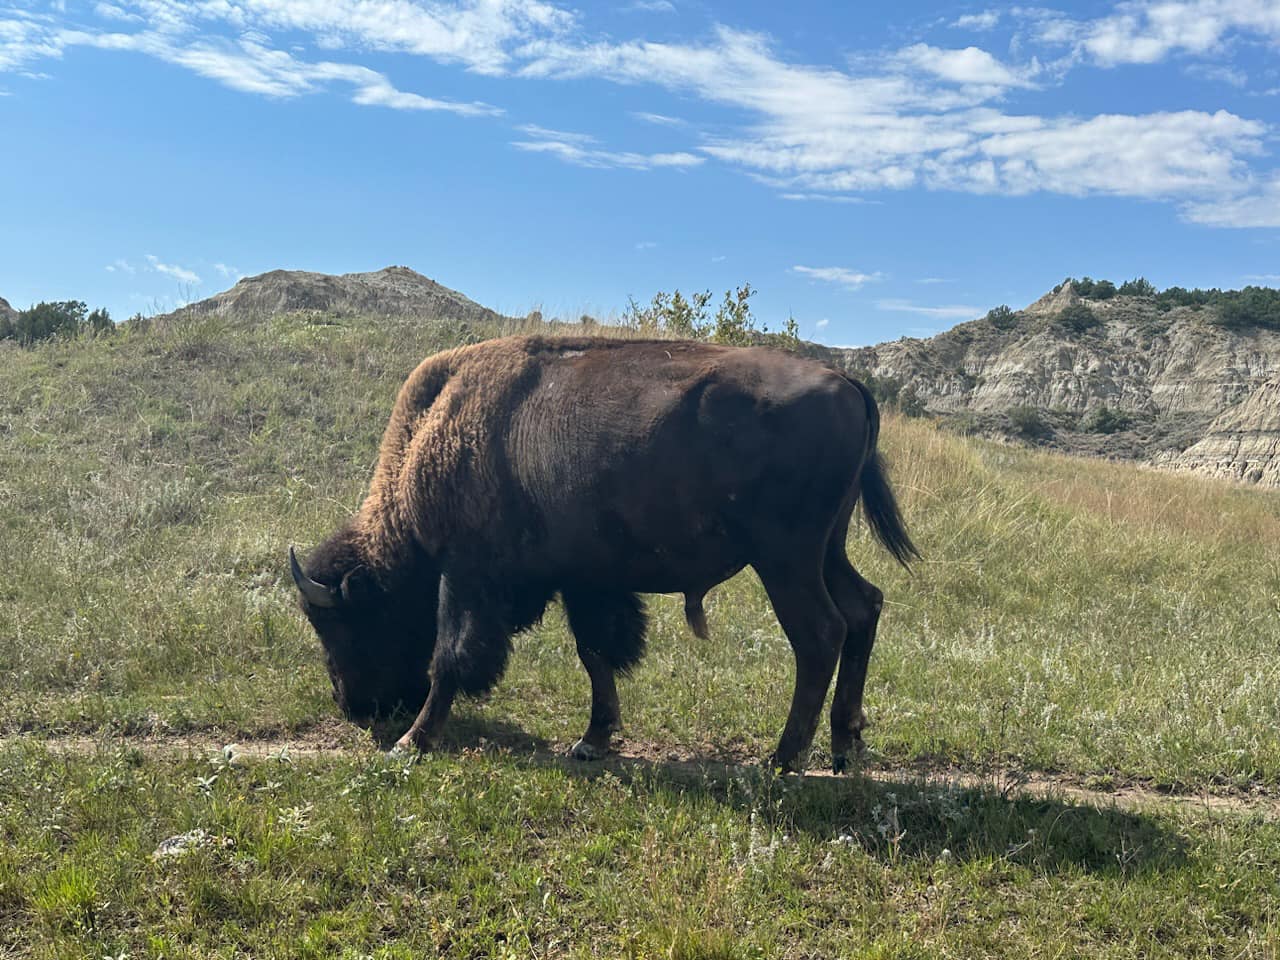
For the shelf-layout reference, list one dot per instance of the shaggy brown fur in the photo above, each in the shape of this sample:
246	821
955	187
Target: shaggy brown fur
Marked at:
516	469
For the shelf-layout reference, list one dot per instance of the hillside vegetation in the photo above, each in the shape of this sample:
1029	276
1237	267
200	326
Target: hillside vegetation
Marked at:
1078	618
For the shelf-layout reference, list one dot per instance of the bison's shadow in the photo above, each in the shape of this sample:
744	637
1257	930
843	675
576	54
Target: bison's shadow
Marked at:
898	818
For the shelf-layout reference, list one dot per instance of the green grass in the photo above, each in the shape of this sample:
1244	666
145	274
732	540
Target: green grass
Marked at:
487	854
1078	618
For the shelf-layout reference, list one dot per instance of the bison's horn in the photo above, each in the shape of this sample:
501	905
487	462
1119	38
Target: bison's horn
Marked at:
317	594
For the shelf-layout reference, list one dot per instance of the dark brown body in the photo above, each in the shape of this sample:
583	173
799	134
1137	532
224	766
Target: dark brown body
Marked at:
598	469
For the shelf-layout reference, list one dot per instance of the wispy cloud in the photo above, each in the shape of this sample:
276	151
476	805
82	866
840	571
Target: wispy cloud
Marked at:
228	272
121	265
1148	31
646	245
650	6
1259	207
823	323
181	274
827	198
986	20
933	280
659	119
579	150
1219	73
853	279
949	312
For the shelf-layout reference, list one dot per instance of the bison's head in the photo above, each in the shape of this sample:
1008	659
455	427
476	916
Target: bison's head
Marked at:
377	641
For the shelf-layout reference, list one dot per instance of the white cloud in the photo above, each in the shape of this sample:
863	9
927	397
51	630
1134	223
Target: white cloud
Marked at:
230	273
646	245
121	265
659	119
721	258
970	66
853	279
986	20
950	312
564	136
1259	207
1263	277
822	324
578	149
1219	73
933	280
181	274
1148	31
826	198
109	11
650	6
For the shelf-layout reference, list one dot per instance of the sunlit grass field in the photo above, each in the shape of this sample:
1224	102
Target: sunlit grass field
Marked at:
1077	618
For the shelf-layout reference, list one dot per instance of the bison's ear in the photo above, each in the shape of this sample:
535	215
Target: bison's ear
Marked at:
358	586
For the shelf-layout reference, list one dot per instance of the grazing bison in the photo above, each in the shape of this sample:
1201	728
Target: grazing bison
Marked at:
598	469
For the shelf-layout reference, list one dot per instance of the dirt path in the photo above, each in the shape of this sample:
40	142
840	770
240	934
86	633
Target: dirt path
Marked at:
342	741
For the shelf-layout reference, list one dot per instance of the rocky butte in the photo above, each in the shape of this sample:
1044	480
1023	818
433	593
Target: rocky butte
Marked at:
1186	386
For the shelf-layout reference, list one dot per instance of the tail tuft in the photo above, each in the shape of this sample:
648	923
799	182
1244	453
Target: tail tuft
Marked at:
882	512
695	616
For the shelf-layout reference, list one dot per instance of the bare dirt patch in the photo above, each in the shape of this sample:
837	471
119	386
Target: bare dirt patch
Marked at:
333	739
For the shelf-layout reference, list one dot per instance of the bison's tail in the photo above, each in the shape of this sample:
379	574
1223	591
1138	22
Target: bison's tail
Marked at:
878	502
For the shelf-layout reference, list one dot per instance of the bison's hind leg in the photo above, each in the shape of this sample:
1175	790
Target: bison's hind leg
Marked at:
609	629
860	602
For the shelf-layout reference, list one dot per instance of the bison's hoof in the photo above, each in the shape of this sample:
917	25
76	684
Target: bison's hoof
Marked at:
586	751
408	746
839	763
784	767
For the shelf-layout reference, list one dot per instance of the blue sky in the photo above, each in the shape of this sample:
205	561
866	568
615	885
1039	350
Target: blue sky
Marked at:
875	169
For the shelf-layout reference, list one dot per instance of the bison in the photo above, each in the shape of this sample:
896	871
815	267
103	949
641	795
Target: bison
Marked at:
517	469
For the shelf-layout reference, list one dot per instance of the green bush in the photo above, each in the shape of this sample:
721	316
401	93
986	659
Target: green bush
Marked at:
1138	287
675	315
1027	421
1002	318
46	320
1077	318
1104	419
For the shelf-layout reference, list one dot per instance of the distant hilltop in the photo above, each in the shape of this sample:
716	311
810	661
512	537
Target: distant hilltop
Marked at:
393	291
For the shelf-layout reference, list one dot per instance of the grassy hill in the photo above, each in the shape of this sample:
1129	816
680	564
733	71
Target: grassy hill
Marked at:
1081	620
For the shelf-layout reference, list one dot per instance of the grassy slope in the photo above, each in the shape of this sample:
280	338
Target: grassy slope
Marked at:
1072	616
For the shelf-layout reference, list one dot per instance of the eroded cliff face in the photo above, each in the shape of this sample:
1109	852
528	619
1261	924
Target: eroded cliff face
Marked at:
1243	443
1198	395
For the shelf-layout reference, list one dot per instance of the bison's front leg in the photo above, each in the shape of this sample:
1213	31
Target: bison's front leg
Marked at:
609	630
472	646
